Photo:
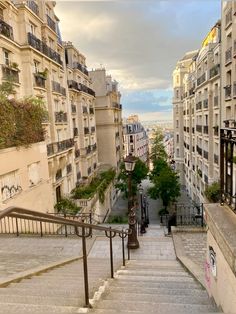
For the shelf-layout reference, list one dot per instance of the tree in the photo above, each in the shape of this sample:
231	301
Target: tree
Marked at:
140	173
165	183
158	149
212	192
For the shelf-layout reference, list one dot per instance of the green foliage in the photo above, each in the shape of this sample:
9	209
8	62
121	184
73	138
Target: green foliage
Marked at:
212	192
165	183
98	184
67	206
117	220
140	172
20	121
158	149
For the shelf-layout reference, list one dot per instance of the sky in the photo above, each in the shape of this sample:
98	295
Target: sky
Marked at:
139	43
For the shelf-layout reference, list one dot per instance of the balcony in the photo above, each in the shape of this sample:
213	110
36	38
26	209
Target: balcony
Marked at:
39	45
199	105
32	5
199	128
76	132
216	101
6	30
86	130
91	110
60	117
201	79
80	87
51	23
215	70
205	103
116	105
80	67
205	154
69	169
216	159
228	56
58	175
73	108
216	130
93	129
205	129
228	92
57	88
39	80
10	74
61	146
77	153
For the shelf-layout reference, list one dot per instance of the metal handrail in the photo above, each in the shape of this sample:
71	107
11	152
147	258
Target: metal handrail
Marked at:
85	232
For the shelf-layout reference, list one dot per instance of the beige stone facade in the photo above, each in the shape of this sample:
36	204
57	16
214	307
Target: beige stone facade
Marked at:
135	139
108	115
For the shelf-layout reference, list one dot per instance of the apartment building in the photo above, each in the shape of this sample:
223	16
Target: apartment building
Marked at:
108	115
135	139
33	57
179	73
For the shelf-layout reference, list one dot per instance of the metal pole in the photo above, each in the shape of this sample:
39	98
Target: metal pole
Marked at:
123	250
85	264
202	217
17	230
41	229
111	255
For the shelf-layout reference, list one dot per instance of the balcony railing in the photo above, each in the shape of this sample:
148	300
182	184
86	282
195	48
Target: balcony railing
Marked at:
58	175
199	128
228	55
73	108
56	87
60	117
116	105
76	132
205	129
216	101
6	30
33	6
205	103
61	146
201	79
51	23
80	67
199	105
86	130
39	80
205	154
216	159
39	45
10	74
80	87
215	70
77	153
68	168
228	91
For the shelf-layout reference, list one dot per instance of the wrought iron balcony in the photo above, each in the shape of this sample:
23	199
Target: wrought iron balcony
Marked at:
10	74
201	79
39	45
60	117
6	30
68	168
58	147
33	6
73	108
86	130
56	87
51	23
80	67
39	80
80	87
215	70
76	132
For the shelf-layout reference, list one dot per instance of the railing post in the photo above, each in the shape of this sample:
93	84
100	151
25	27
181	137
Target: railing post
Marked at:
41	229
17	230
202	217
111	255
123	248
85	264
65	227
128	253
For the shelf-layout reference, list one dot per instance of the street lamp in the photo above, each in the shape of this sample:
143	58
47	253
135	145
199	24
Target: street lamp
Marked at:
142	225
132	237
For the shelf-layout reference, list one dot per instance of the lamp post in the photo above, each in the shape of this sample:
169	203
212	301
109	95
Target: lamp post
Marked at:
132	237
142	225
146	211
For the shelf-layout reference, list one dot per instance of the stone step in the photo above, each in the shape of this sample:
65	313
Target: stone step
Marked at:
127	311
149	278
151	307
159	299
42	291
154	262
147	272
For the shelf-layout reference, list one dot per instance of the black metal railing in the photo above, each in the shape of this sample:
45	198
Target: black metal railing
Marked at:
80	67
201	79
10	74
51	23
80	87
215	70
228	55
33	6
36	43
6	30
58	147
56	87
15	220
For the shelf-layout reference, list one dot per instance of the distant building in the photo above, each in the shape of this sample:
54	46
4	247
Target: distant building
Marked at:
135	139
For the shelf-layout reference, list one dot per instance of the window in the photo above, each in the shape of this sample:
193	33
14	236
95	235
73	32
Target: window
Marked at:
6	57
34	173
177	124
177	138
32	28
51	42
36	66
9	185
